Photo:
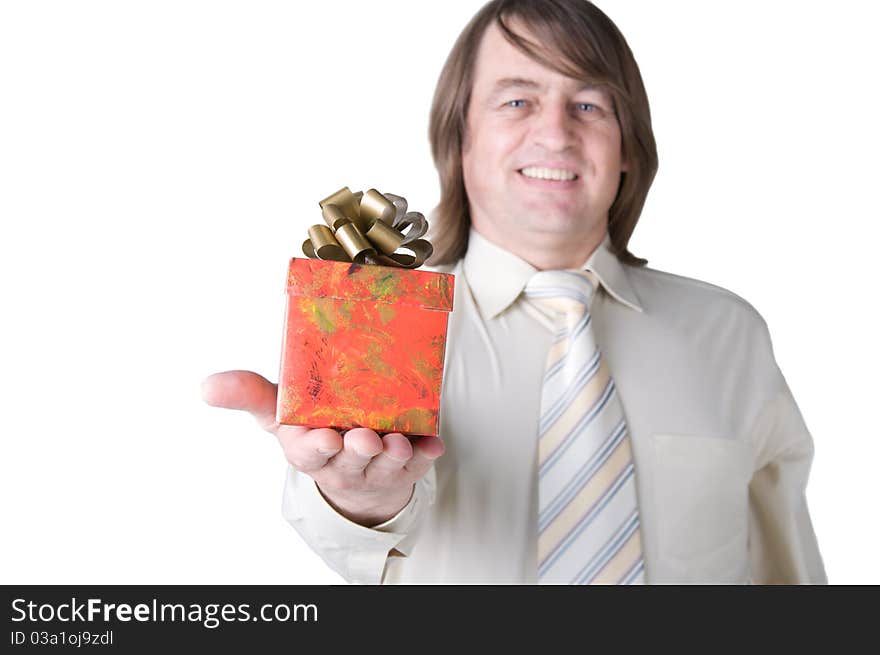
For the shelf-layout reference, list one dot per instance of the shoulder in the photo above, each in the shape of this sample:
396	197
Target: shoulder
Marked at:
657	285
690	301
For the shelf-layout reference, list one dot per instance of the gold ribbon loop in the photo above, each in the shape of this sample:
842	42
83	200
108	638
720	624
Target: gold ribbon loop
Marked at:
321	244
400	205
334	216
376	207
354	242
370	228
346	201
386	238
417	224
421	250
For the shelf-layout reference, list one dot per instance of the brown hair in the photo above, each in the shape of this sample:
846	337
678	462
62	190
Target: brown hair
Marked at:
582	43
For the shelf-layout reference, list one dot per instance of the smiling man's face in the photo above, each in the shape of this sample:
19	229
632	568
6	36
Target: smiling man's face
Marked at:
526	122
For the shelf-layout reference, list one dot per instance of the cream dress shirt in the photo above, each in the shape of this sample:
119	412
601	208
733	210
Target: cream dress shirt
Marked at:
721	452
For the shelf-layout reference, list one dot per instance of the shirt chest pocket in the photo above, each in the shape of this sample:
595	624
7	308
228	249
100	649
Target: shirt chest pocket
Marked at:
701	501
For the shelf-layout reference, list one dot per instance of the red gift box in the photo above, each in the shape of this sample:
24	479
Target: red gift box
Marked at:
363	347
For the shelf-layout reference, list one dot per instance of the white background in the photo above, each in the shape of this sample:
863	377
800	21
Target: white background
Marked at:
161	161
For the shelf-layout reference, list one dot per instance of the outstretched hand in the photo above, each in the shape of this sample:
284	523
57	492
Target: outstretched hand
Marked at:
366	477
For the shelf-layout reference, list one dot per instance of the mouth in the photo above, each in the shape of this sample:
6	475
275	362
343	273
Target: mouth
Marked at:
548	177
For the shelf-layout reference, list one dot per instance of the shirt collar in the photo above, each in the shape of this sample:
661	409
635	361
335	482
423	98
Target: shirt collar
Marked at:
496	277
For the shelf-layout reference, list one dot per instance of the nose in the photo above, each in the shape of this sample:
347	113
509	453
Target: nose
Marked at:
553	128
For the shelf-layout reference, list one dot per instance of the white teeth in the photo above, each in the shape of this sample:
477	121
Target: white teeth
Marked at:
548	173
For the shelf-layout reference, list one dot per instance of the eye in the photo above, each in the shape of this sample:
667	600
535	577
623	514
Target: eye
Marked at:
589	107
512	103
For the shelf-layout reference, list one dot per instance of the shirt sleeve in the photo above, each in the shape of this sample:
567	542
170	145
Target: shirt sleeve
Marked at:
355	552
782	543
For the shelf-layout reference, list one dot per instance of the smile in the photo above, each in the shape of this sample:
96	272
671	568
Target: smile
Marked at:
539	173
556	180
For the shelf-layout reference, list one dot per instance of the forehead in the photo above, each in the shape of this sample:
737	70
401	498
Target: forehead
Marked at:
499	62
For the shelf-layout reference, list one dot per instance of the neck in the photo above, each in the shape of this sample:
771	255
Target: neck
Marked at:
547	252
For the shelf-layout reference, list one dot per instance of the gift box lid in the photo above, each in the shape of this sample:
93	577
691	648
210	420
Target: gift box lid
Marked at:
316	278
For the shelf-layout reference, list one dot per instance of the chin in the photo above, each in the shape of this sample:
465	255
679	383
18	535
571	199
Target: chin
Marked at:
563	227
562	219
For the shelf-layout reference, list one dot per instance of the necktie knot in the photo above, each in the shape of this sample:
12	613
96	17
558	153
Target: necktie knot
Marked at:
567	292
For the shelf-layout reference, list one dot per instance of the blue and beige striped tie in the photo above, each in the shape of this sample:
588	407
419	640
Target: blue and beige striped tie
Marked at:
588	517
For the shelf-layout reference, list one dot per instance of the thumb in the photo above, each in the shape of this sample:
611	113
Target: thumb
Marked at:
243	390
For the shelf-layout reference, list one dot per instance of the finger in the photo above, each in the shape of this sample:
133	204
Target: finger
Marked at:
308	450
425	451
359	446
243	390
396	452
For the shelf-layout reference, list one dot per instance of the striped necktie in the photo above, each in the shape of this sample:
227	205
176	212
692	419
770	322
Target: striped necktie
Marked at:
588	518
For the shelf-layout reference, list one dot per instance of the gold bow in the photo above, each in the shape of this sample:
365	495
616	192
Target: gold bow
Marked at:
368	228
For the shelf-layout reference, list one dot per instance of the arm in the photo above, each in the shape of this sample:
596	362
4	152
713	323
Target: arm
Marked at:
358	553
782	544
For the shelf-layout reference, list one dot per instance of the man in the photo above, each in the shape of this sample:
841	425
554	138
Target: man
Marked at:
657	441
